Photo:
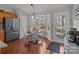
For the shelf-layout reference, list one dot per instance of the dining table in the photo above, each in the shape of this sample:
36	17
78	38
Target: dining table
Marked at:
33	39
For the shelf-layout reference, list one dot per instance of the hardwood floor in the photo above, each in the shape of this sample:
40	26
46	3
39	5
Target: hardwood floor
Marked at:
18	47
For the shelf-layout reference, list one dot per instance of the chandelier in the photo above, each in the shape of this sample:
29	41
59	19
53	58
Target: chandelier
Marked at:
33	13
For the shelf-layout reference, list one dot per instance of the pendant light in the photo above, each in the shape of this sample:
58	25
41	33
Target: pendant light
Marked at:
33	13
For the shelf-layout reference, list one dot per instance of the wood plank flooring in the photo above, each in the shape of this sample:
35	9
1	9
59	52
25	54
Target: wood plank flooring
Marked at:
18	47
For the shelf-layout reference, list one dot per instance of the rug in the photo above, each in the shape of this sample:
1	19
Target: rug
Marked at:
54	47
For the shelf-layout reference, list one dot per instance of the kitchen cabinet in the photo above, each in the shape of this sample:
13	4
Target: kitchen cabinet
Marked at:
2	36
3	16
9	15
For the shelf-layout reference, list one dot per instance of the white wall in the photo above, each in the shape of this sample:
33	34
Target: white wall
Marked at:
76	24
6	8
67	10
22	22
22	15
17	20
52	12
76	20
67	24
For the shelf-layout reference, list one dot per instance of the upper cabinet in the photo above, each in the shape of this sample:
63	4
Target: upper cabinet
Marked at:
7	15
10	15
2	35
1	14
1	20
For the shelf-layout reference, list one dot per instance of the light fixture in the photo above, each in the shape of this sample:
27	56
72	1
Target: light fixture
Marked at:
33	13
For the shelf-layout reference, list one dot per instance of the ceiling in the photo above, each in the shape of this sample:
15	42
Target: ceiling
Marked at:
38	7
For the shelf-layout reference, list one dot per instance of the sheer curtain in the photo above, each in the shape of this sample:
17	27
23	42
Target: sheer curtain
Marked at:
23	26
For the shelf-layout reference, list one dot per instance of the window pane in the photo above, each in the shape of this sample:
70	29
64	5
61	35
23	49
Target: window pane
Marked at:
39	24
60	22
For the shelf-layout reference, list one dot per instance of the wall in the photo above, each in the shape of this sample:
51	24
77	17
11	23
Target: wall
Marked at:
6	8
17	20
22	22
22	16
52	12
76	20
69	22
67	10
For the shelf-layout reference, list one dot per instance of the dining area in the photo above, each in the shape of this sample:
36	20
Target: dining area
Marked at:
25	46
32	43
33	38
